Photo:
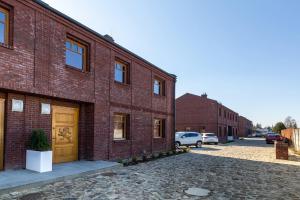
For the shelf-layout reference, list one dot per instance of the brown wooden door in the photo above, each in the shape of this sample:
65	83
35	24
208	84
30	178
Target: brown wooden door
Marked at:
1	133
64	134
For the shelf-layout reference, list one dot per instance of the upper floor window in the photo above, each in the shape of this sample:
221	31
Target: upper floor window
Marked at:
159	128
4	26
76	54
121	126
158	87
220	112
121	72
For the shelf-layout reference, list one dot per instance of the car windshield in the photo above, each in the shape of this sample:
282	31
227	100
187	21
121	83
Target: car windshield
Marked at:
210	135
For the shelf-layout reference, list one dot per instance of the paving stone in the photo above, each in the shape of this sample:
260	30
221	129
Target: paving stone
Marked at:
246	169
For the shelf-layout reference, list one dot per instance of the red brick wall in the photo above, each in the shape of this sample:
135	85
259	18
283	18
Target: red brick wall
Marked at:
197	112
245	127
34	69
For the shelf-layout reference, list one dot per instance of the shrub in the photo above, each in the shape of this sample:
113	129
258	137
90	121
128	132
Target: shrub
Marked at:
39	141
187	150
161	154
134	160
144	158
120	161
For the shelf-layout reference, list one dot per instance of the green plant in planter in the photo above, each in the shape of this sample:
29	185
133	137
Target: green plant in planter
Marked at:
39	141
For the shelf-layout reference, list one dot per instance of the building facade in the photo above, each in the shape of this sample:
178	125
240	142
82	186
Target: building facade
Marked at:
199	113
245	127
94	99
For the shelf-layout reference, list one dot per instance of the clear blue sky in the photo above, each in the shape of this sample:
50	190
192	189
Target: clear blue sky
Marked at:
245	54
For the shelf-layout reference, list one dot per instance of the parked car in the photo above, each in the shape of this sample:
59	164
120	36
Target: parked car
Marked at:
272	137
188	139
210	138
257	134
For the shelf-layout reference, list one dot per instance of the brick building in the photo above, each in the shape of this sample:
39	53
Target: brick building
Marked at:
94	99
245	127
199	113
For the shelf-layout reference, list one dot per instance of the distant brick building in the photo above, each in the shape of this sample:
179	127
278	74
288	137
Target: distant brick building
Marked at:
245	127
199	113
93	98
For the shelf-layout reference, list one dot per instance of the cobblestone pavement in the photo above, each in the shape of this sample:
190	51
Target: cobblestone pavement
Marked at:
244	169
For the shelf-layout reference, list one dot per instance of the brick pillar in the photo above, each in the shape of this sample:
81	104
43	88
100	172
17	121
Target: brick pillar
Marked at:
282	151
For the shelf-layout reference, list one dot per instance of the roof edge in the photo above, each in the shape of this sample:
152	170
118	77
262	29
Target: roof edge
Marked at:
48	7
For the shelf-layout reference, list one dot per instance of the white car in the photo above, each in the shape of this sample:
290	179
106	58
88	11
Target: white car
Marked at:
188	139
210	138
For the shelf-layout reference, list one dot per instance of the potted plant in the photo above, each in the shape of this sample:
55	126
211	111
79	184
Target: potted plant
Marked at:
39	155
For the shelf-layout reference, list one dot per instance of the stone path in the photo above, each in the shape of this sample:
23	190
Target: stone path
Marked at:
244	169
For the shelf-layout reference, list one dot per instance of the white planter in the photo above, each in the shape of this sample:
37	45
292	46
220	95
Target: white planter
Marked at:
39	161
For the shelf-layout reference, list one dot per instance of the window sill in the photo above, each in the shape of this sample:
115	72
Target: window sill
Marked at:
7	46
76	69
158	138
121	140
122	84
159	96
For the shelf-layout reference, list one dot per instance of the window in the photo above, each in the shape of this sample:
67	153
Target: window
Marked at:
4	26
159	126
220	131
121	126
220	112
76	54
121	72
158	87
194	135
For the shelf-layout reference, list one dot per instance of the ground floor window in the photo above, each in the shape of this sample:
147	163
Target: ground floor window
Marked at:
159	128
121	126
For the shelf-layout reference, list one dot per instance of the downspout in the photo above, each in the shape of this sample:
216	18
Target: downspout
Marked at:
218	109
174	114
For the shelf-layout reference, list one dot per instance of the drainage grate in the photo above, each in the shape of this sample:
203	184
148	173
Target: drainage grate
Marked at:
200	192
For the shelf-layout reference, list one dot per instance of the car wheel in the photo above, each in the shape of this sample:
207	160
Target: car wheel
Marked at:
177	145
199	144
216	143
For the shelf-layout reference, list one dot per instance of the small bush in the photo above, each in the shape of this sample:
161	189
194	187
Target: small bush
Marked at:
134	160
187	150
144	158
125	163
39	141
